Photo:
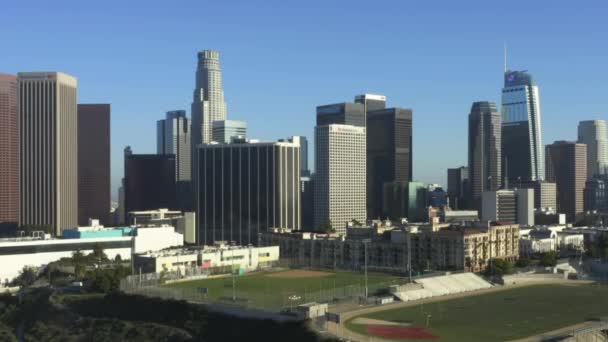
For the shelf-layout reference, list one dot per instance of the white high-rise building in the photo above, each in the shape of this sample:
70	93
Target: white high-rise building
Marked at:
594	133
48	121
208	103
522	148
173	137
340	176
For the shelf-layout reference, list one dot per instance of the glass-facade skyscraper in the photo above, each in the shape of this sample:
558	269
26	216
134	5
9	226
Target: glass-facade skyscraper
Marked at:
594	134
484	151
522	149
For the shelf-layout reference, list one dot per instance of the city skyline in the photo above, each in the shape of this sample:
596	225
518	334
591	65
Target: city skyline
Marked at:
256	91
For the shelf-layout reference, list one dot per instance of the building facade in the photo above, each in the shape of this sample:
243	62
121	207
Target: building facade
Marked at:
484	151
48	149
594	134
389	153
246	188
509	206
9	149
93	163
545	193
223	131
173	137
567	167
341	113
340	191
596	194
303	141
522	149
371	102
149	182
458	183
208	104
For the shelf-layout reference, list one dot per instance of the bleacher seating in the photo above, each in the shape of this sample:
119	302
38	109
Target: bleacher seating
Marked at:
441	286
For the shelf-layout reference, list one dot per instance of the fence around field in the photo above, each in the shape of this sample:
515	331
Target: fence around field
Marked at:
266	299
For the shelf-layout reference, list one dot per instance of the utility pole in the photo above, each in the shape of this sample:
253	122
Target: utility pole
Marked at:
409	254
365	250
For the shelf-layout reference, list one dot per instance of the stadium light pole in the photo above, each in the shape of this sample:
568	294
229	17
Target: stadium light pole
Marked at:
365	251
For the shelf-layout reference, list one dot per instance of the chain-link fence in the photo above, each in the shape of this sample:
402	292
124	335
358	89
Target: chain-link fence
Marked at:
266	297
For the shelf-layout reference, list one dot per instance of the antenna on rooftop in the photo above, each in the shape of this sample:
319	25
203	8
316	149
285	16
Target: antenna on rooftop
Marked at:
505	52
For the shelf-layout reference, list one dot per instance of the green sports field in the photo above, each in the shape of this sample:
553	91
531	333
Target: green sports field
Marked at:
502	315
283	289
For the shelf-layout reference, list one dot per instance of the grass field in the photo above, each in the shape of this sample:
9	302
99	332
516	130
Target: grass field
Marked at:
273	289
502	315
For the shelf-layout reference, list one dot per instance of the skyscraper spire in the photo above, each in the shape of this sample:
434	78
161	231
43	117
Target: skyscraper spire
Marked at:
505	52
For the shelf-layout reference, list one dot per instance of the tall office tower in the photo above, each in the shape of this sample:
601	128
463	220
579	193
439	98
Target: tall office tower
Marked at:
339	176
342	114
567	167
93	163
303	142
48	149
247	188
9	149
596	194
173	137
389	154
545	193
371	102
208	104
484	151
522	150
149	182
458	183
594	134
307	202
508	206
416	202
226	130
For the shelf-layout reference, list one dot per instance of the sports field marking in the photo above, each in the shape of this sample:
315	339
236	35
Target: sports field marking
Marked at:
298	274
366	321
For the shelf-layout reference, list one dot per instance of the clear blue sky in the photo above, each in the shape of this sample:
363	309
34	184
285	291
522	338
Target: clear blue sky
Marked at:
282	58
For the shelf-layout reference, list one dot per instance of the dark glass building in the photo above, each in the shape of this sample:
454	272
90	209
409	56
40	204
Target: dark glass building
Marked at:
247	188
522	151
458	182
596	194
484	151
389	156
341	113
93	163
149	182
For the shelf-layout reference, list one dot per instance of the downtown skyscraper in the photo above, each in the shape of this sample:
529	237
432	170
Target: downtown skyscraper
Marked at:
594	134
173	137
567	167
246	188
522	149
93	163
389	158
9	149
484	151
48	149
208	103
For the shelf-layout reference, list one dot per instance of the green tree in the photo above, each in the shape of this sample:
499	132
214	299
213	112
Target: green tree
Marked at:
523	262
548	259
499	267
98	253
26	277
327	228
117	258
